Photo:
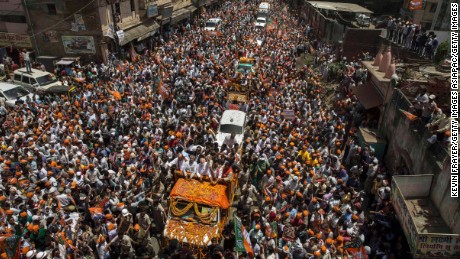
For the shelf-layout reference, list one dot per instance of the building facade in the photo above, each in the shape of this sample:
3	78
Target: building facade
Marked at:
92	29
13	28
434	15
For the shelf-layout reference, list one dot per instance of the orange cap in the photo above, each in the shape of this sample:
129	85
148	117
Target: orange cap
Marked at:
110	226
137	227
35	228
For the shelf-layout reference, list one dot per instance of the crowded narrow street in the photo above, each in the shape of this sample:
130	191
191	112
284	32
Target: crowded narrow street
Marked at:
108	169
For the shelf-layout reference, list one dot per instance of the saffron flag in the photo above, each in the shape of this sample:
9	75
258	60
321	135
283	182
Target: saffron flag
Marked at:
10	244
133	54
356	249
163	90
358	253
416	5
409	115
243	243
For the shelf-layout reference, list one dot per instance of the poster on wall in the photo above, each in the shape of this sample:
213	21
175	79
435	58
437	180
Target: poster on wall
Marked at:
80	22
51	36
78	44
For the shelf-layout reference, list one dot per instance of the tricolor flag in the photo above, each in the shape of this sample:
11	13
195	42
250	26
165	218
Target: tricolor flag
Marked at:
409	115
243	242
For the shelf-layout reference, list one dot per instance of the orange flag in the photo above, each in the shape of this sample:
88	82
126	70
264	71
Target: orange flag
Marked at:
409	115
416	5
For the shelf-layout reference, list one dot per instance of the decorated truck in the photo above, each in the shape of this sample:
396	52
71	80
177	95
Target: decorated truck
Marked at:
198	211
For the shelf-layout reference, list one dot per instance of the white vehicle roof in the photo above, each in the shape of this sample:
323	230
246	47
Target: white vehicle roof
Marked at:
261	18
214	20
35	72
7	86
233	117
264	5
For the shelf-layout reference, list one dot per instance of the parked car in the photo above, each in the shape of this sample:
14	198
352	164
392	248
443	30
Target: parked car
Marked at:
10	93
363	20
38	80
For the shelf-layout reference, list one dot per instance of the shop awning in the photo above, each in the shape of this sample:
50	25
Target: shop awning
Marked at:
180	15
368	95
64	62
191	8
152	29
205	193
138	32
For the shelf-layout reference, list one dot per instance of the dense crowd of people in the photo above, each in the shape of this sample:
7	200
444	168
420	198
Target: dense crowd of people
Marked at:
412	36
87	175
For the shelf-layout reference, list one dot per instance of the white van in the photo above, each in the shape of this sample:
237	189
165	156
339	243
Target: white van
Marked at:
231	128
264	7
37	80
213	24
363	20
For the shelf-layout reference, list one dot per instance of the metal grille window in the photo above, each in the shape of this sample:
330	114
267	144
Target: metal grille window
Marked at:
51	9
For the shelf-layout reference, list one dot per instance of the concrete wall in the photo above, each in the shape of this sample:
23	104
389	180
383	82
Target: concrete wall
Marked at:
45	22
356	41
20	28
13	6
414	186
448	207
402	138
411	148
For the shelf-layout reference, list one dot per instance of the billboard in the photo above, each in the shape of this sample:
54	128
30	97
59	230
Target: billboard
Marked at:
152	10
78	44
14	39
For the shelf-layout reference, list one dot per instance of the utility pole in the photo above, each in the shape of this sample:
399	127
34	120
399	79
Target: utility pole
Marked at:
115	27
29	23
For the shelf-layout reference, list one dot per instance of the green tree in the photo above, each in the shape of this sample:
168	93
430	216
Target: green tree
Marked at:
442	52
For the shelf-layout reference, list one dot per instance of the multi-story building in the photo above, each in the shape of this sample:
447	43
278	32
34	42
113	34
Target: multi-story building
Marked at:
433	16
13	28
91	29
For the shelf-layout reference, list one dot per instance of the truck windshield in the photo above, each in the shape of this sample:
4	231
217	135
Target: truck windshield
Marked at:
194	213
210	25
262	14
230	128
45	80
15	93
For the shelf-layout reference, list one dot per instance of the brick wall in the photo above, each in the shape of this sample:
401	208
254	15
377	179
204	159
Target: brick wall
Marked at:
357	41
